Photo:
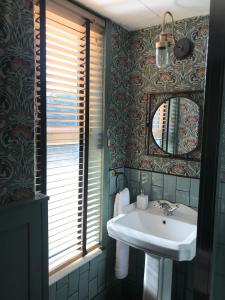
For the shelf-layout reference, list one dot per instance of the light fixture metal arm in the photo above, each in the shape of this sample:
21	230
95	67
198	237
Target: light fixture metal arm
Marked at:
164	23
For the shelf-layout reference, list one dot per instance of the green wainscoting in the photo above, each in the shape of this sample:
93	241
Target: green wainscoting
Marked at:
24	251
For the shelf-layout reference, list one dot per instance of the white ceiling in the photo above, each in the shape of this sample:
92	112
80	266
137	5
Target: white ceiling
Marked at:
137	14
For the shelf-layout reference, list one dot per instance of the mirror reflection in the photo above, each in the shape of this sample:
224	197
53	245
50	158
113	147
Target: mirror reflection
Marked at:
175	126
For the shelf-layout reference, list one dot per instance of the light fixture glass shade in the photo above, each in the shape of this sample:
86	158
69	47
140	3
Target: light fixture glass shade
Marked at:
162	57
164	43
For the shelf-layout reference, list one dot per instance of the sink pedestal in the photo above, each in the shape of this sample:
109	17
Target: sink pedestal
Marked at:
157	278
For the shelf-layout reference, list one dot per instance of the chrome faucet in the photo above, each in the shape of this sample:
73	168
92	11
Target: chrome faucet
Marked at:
167	209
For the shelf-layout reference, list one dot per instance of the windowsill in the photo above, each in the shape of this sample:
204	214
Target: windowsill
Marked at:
73	266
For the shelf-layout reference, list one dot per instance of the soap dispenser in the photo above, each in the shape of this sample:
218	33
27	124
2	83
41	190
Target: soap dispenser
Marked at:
142	200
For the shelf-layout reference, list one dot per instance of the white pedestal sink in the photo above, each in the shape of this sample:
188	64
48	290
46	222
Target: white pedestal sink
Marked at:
162	238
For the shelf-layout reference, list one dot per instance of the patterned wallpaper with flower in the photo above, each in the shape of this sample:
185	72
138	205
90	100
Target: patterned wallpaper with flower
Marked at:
145	77
16	101
117	129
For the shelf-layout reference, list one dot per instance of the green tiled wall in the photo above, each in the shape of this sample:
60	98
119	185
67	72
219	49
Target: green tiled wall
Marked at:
94	280
162	186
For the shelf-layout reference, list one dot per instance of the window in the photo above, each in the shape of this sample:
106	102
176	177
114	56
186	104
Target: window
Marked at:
71	132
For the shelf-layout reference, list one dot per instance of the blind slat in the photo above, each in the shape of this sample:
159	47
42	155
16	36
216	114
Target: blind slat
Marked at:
65	57
64	64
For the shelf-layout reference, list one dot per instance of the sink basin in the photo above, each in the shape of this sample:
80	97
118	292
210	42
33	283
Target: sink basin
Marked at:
150	230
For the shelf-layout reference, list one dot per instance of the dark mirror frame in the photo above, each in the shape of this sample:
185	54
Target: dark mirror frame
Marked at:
153	102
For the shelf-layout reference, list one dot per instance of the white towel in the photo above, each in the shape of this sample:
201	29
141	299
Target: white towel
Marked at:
122	250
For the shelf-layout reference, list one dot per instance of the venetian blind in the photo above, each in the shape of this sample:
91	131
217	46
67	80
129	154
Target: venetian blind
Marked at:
65	77
74	105
95	136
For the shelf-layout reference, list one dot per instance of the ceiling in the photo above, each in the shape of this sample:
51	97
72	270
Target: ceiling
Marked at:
137	14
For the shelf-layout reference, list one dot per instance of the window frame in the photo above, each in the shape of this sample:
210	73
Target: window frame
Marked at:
41	180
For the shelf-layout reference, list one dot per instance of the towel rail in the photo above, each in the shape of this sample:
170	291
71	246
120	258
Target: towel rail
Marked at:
117	174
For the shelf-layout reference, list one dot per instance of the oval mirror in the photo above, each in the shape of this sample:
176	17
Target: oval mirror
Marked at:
175	126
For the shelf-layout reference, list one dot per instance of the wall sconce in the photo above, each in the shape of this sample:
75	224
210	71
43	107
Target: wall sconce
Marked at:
182	48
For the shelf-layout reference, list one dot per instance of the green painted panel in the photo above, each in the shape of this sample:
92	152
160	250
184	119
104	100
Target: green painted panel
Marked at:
23	252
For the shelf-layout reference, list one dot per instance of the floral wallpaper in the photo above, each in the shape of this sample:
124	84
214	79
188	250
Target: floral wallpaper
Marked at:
16	101
120	68
144	77
189	118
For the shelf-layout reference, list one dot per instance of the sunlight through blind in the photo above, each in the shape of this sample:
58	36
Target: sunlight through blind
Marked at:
66	89
95	136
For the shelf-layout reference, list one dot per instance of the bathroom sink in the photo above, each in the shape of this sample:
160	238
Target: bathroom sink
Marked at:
153	232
